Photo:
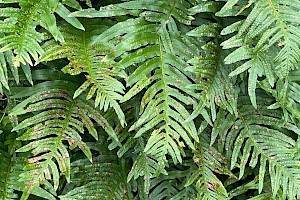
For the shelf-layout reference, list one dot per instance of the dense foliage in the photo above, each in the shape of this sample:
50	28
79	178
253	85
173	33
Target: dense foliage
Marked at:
150	99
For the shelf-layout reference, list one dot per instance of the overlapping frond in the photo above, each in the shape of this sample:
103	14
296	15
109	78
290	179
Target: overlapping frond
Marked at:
145	166
241	191
5	64
12	167
286	95
171	186
166	96
267	41
141	79
259	136
157	11
105	178
55	119
168	185
161	11
19	26
205	6
159	57
91	58
195	178
215	87
8	70
209	162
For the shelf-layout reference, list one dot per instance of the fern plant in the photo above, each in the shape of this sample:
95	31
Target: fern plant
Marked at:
149	99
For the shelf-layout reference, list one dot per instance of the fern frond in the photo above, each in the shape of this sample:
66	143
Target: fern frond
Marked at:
267	41
164	94
186	181
251	185
105	178
11	168
205	6
56	118
152	10
234	8
271	24
212	82
258	136
170	186
286	95
85	57
19	28
145	166
209	162
125	137
152	49
5	61
215	87
161	11
8	70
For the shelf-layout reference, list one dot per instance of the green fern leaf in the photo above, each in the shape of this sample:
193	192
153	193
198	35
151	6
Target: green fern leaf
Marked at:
167	187
103	80
11	169
257	136
205	6
251	185
161	11
212	79
209	160
21	35
63	12
57	118
267	41
105	11
105	178
286	95
161	96
159	56
271	23
4	72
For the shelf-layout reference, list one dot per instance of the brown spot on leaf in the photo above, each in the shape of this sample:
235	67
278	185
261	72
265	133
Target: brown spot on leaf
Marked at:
196	160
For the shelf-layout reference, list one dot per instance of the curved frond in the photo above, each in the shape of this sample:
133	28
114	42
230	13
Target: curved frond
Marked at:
5	63
105	178
161	11
150	99
241	191
152	10
55	118
170	186
258	137
11	168
215	87
267	41
286	95
158	56
209	162
19	26
212	82
103	79
145	166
